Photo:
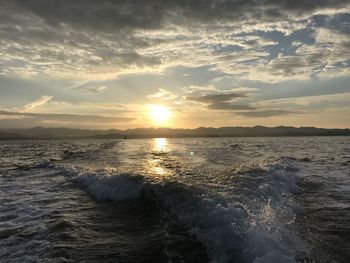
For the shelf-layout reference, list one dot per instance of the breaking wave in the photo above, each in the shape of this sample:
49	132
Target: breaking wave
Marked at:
246	216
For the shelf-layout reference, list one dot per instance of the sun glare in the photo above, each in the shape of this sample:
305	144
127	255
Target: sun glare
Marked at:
159	114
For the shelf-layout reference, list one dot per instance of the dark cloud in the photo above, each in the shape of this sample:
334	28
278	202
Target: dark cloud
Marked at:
94	14
58	37
217	98
222	101
267	113
303	5
150	14
71	36
229	106
226	102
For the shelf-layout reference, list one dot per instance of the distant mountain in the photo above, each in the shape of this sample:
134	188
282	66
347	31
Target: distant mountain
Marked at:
257	131
52	133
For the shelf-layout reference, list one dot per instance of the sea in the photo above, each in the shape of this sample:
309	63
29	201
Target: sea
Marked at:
283	199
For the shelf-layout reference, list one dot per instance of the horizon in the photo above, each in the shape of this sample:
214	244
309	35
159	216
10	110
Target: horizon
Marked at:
177	128
92	65
39	133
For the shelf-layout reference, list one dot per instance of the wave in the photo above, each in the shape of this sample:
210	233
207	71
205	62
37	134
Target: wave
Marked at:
113	187
250	221
247	217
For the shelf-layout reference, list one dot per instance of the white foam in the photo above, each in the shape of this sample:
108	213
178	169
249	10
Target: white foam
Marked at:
255	230
248	220
106	184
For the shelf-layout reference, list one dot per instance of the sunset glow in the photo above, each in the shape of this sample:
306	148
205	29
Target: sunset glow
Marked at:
86	65
159	114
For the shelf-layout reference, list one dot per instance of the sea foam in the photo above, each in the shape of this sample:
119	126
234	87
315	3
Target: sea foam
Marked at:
248	220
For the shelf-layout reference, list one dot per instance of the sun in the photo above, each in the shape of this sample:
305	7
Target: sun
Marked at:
159	114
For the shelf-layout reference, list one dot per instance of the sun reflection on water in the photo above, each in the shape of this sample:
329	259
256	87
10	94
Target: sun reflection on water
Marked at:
159	151
160	144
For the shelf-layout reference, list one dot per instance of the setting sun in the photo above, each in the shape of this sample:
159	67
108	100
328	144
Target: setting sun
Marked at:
159	114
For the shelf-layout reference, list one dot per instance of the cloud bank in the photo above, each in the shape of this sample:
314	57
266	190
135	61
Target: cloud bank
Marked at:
254	40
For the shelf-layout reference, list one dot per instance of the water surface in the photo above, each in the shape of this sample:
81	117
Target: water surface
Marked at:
176	200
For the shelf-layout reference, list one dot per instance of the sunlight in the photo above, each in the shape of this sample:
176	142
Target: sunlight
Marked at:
160	144
159	151
159	114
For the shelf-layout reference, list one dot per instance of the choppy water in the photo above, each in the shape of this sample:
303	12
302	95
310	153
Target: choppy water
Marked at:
176	200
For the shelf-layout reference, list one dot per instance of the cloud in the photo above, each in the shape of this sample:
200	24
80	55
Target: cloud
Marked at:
226	102
57	113
267	113
244	89
217	98
26	119
308	102
222	101
88	86
87	107
229	106
148	14
81	39
162	94
194	90
329	53
93	89
37	103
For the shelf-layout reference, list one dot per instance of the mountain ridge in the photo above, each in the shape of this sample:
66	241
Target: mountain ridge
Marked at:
237	131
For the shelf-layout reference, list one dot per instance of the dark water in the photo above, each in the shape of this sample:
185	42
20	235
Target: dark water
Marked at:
176	200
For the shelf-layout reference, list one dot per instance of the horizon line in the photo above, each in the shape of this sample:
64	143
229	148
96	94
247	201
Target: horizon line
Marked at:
175	128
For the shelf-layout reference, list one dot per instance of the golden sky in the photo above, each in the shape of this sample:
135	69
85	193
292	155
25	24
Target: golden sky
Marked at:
124	64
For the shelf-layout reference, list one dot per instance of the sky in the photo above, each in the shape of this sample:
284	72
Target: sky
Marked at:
102	64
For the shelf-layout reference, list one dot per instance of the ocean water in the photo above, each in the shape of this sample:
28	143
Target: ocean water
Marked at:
176	200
